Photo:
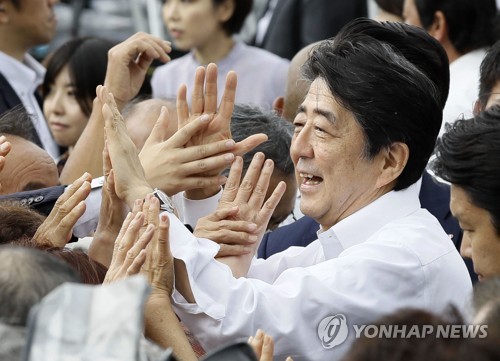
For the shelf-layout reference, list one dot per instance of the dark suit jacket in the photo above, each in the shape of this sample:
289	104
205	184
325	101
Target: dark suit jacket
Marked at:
297	23
9	99
434	196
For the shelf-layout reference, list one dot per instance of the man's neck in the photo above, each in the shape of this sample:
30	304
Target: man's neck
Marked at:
216	49
13	48
451	51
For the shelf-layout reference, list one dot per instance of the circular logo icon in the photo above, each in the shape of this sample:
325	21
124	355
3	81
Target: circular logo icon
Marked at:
333	331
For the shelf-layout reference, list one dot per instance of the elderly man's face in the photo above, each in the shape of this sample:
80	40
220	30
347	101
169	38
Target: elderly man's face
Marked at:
27	167
334	177
480	241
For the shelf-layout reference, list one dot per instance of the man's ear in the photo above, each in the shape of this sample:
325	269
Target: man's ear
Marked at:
279	105
478	106
439	27
225	10
394	159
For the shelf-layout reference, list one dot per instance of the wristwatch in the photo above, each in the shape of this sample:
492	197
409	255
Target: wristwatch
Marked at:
165	202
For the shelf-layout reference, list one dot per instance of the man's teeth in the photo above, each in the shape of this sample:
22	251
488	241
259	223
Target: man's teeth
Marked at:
308	179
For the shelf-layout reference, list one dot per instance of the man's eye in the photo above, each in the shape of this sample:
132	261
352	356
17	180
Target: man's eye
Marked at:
297	127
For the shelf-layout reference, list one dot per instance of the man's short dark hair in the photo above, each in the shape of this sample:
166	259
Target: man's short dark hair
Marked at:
391	98
241	10
467	156
486	302
432	346
470	22
489	73
17	222
26	276
248	120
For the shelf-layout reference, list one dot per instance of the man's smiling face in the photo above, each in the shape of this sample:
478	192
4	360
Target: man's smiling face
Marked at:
334	175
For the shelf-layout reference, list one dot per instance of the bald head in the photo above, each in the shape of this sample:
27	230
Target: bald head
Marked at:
296	85
140	118
27	167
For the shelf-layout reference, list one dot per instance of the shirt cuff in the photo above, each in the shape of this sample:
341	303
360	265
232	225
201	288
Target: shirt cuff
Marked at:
196	209
198	254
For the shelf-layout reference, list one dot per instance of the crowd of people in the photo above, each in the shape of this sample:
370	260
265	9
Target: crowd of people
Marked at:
328	191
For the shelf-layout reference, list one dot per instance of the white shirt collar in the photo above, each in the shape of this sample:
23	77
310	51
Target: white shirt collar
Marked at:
24	76
392	205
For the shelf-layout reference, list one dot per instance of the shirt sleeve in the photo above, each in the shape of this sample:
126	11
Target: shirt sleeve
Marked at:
292	302
192	210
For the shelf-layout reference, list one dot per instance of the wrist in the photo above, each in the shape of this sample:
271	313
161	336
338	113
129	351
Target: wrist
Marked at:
138	192
202	193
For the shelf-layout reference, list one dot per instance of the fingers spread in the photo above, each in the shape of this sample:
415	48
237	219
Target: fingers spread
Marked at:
252	175
197	97
227	102
259	192
233	181
270	205
211	89
182	107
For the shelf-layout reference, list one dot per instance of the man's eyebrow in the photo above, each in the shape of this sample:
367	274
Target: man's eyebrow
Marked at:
324	113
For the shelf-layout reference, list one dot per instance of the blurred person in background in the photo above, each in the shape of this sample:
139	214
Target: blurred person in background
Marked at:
206	28
73	72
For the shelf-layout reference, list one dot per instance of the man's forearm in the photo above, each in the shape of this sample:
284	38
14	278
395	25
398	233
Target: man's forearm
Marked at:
87	154
163	327
182	284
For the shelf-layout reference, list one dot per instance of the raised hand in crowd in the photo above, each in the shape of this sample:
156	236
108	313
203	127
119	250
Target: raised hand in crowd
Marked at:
128	63
235	237
128	174
204	102
173	167
4	150
248	196
111	216
57	228
142	246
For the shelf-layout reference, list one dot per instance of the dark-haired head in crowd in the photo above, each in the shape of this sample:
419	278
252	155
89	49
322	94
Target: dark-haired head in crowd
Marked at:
26	276
465	29
467	157
248	120
489	81
486	302
25	24
460	26
17	222
427	343
74	71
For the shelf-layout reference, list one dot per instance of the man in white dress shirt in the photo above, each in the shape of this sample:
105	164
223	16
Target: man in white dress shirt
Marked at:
23	25
363	136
